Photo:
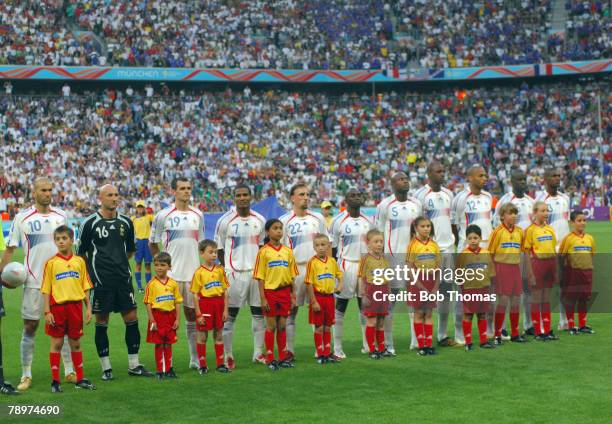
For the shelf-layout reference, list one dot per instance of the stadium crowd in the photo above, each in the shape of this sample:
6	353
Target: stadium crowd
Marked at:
270	139
460	33
353	34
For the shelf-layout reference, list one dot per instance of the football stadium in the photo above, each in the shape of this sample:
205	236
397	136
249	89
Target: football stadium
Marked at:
289	211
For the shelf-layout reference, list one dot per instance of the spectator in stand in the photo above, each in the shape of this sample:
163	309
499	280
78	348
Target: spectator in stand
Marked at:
272	139
297	34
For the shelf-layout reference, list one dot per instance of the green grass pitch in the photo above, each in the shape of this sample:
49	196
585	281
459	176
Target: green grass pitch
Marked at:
566	381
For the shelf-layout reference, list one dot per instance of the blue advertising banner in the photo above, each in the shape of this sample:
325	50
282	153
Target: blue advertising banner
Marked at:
92	73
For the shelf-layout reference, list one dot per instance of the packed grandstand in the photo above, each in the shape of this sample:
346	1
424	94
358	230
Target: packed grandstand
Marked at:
295	34
269	139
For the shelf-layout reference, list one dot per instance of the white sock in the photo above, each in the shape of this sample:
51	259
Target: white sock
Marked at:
338	332
562	317
459	337
67	357
442	324
490	324
27	354
133	360
106	364
191	340
362	323
414	344
228	336
526	301
290	328
389	331
258	326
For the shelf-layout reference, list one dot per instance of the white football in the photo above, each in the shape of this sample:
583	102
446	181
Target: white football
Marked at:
14	274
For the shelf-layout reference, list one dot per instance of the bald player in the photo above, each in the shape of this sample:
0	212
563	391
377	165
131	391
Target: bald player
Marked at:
558	217
349	229
437	201
33	229
300	226
524	204
107	242
472	206
394	215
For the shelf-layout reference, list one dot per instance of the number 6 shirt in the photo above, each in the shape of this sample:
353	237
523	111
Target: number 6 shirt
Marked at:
349	236
394	218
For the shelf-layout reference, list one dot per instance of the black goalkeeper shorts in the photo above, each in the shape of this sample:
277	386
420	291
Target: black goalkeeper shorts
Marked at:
113	299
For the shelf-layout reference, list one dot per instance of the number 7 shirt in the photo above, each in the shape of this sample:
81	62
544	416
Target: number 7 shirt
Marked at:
240	238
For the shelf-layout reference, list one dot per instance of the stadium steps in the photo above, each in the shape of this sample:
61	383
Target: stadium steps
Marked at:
559	17
81	35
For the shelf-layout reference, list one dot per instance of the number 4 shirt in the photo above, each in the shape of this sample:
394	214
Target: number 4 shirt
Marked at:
437	207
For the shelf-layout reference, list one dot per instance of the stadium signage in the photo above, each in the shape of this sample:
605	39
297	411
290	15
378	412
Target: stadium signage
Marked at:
93	73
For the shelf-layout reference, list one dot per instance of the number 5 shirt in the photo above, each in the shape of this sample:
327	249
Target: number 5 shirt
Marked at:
34	231
394	218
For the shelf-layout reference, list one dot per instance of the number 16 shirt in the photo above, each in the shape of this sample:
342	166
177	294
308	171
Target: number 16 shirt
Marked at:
106	243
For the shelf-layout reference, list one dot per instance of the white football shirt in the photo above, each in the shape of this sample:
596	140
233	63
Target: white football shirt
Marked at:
394	218
558	213
34	231
349	236
524	206
299	232
179	233
240	238
437	207
467	209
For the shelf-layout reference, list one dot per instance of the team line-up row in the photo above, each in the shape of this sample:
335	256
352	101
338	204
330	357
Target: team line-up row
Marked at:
277	278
